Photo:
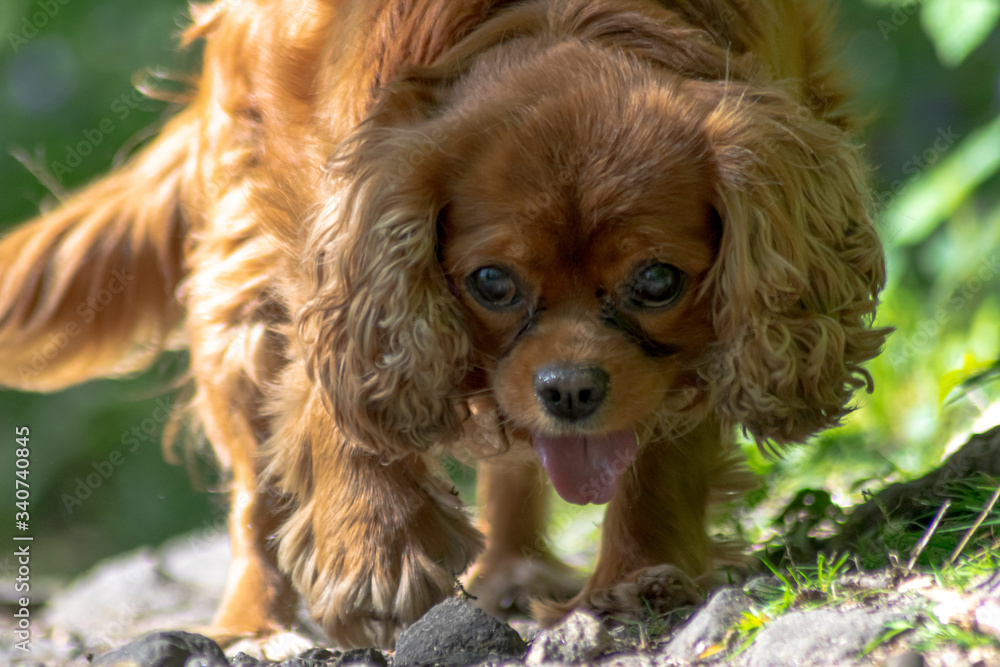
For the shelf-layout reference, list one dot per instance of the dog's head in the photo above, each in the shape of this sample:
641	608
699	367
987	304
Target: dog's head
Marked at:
597	245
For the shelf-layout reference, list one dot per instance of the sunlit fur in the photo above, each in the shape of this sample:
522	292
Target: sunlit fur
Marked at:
305	227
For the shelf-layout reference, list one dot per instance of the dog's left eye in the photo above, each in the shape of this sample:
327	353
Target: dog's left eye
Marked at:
657	286
494	287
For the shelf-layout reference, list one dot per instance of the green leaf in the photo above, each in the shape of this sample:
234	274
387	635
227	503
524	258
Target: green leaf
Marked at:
957	27
922	206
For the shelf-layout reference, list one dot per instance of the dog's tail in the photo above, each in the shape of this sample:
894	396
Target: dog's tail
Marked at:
88	290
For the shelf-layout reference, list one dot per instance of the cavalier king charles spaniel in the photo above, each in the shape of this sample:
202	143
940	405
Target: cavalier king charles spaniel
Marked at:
580	241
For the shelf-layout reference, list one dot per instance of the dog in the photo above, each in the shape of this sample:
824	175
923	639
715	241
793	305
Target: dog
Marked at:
579	241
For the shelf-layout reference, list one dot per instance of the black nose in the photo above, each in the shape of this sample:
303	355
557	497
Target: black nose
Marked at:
571	392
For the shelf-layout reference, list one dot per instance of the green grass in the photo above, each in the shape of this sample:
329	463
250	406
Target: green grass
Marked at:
964	526
959	551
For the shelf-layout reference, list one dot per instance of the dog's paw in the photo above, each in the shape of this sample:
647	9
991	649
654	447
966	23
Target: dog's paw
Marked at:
506	587
367	600
652	590
275	647
269	642
368	579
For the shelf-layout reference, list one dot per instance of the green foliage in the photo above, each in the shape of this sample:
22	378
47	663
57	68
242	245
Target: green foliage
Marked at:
797	587
956	27
968	525
929	633
810	587
939	194
926	632
959	26
642	635
970	569
936	143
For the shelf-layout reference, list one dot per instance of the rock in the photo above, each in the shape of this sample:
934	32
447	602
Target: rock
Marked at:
906	659
708	625
166	649
137	592
762	586
168	587
363	656
629	660
578	639
816	638
455	633
322	654
314	657
875	580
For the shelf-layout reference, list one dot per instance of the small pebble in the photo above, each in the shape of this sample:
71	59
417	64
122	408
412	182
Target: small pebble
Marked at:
319	653
363	656
241	659
166	649
579	638
906	659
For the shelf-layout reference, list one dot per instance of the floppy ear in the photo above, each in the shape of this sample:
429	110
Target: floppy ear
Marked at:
385	336
799	271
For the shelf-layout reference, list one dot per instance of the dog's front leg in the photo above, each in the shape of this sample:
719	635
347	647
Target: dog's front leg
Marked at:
373	543
259	600
654	542
518	566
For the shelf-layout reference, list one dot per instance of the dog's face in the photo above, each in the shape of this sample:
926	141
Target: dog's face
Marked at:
578	240
604	249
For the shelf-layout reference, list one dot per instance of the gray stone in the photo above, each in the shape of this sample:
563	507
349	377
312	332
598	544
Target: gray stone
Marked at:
579	638
166	649
455	633
906	659
134	593
628	660
817	638
708	625
363	656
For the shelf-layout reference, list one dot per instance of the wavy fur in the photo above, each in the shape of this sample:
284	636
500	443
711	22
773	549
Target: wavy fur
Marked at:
801	269
313	226
88	290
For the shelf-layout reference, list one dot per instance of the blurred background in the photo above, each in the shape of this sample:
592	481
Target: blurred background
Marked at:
927	73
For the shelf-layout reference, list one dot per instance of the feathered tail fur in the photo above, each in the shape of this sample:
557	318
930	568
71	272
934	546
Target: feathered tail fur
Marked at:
88	290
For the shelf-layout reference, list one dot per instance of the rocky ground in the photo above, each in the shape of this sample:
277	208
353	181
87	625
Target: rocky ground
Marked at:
131	611
177	586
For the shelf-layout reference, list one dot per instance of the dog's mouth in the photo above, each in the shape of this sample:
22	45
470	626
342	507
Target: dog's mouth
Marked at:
586	468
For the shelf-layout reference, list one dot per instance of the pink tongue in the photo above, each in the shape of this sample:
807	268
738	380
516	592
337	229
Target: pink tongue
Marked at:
586	468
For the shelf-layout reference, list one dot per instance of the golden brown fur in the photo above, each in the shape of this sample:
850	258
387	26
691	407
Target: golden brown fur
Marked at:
612	229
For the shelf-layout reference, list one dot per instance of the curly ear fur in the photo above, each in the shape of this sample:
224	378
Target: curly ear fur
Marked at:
801	267
386	337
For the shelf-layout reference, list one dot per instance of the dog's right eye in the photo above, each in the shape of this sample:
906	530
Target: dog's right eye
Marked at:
494	287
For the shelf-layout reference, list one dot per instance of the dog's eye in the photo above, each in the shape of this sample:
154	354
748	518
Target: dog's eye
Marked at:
657	286
494	287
